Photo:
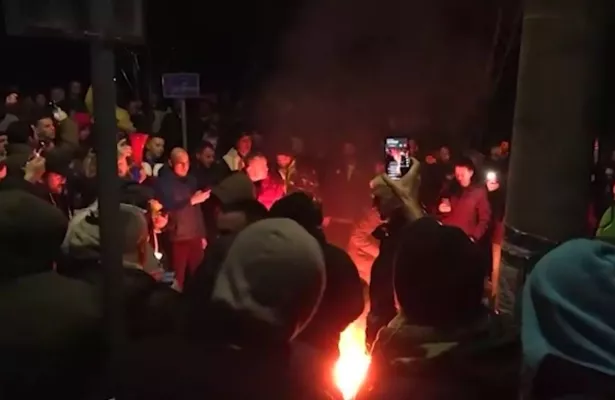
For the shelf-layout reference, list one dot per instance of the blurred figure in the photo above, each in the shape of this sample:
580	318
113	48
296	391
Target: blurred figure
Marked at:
236	204
51	342
40	100
180	196
235	158
75	102
268	290
158	238
235	208
2	169
54	183
149	307
58	95
363	247
268	189
568	322
296	175
468	207
8	110
346	194
342	301
397	203
443	343
154	150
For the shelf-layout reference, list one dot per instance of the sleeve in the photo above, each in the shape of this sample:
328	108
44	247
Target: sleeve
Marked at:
483	209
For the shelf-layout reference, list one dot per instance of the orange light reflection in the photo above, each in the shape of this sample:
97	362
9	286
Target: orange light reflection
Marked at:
351	368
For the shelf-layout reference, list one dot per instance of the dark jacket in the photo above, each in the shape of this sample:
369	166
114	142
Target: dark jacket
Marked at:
185	220
342	302
151	308
382	303
172	369
480	360
470	211
559	379
13	182
51	340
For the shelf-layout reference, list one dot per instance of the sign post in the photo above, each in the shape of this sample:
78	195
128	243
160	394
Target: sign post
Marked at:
182	86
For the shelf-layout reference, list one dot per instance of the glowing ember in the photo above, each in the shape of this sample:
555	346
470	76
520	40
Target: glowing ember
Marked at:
351	368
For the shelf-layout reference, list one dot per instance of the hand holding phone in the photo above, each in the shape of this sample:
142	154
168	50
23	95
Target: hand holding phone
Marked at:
397	157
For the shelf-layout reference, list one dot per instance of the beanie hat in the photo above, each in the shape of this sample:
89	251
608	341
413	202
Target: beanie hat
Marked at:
271	281
438	274
235	188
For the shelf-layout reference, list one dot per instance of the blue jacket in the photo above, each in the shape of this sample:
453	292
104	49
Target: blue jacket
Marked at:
185	220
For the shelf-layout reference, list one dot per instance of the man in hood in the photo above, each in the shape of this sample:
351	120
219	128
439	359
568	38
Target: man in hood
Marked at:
50	341
342	301
443	343
397	203
568	323
267	291
148	304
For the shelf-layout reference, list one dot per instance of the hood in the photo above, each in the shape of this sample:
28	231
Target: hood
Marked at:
235	188
271	281
300	207
567	306
31	231
82	241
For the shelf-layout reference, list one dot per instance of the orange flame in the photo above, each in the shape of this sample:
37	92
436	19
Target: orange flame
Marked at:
351	368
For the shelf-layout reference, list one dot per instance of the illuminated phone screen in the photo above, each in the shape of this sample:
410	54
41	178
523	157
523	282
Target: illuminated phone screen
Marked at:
397	157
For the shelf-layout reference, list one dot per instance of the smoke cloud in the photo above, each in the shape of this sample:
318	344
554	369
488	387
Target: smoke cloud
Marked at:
357	69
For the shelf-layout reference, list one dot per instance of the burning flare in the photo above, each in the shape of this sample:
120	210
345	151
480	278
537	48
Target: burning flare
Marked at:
351	368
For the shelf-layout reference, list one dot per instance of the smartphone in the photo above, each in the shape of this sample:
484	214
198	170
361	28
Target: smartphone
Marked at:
491	176
397	157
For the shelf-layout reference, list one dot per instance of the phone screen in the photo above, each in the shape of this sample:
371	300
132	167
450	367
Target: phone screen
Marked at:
397	157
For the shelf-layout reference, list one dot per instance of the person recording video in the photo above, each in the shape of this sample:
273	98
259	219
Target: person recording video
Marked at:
467	206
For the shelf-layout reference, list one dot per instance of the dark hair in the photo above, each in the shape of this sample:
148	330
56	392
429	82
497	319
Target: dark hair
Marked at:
465	162
155	136
41	114
204	145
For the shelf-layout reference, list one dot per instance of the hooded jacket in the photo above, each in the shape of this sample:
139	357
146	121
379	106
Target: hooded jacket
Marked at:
342	301
268	289
150	306
50	341
568	320
248	290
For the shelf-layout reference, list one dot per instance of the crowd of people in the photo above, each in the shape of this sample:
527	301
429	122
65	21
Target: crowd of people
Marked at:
245	258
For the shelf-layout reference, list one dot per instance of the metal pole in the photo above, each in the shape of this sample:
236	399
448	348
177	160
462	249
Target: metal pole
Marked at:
103	69
184	125
558	111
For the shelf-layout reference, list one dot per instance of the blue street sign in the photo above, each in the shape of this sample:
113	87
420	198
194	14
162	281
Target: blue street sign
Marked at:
181	86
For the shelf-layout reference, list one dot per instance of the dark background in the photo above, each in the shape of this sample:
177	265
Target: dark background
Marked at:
439	70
